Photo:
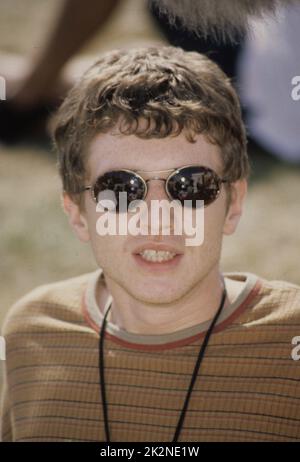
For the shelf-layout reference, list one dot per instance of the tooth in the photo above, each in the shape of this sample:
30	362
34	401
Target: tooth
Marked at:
157	256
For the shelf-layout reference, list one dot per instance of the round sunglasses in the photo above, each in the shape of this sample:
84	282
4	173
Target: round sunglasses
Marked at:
188	183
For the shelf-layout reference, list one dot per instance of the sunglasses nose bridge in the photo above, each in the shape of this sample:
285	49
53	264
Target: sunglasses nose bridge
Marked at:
157	190
157	181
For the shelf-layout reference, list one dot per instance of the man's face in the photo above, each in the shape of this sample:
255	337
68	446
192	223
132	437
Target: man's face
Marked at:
118	255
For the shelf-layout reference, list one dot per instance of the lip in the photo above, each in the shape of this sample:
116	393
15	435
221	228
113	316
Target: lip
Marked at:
156	246
157	266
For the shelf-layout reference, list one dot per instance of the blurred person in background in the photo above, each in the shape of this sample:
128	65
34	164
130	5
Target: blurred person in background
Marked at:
208	26
269	74
41	88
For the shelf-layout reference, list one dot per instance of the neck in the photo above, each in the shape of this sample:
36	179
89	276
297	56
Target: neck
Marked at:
136	316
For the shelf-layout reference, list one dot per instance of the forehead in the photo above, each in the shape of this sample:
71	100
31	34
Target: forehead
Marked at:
112	151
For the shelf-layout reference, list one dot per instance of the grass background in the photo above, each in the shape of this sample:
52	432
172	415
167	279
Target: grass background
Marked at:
37	245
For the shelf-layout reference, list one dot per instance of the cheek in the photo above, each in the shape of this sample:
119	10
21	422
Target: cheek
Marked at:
104	247
214	217
201	258
108	250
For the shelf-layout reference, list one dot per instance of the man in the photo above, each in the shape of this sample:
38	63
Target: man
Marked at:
157	344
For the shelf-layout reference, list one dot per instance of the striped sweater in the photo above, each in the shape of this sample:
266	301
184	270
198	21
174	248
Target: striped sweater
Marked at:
247	388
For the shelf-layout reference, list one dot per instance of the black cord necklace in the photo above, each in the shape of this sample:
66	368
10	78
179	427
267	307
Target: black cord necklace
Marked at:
194	376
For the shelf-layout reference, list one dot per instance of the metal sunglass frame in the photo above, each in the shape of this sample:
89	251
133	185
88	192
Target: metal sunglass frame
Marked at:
166	180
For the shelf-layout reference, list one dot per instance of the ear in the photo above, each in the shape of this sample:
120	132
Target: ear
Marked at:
235	208
76	218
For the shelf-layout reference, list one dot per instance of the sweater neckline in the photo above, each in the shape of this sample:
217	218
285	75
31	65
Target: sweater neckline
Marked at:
94	316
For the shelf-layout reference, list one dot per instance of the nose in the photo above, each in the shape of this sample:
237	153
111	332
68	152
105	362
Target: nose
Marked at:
160	214
156	190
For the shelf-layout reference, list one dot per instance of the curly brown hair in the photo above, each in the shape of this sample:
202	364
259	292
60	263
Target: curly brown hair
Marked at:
172	90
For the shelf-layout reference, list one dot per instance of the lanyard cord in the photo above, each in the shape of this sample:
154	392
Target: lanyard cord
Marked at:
194	376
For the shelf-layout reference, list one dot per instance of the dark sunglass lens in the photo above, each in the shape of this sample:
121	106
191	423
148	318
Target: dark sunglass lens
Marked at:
194	183
112	183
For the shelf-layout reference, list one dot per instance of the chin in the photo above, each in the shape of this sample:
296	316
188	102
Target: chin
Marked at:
156	292
221	19
158	298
